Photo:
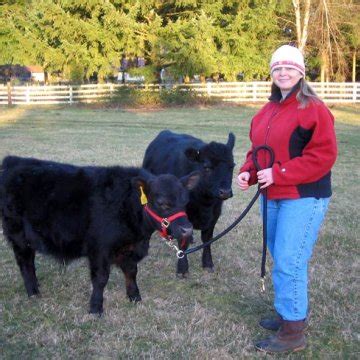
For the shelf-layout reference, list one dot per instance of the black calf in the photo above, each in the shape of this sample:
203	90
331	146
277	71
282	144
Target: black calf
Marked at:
69	212
179	154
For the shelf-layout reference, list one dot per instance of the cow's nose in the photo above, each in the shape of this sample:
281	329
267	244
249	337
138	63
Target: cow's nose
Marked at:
186	232
225	194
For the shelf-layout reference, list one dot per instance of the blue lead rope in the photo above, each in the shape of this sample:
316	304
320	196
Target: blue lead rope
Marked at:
217	237
264	217
244	213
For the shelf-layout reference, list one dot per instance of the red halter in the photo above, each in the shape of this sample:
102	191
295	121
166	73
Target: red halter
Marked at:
164	222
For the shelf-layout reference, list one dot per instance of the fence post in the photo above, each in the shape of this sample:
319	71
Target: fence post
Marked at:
27	94
254	91
70	94
208	86
354	85
9	89
322	90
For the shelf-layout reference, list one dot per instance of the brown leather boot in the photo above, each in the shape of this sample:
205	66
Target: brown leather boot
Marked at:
271	323
290	337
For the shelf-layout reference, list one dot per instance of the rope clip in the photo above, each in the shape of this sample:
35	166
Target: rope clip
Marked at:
169	242
262	284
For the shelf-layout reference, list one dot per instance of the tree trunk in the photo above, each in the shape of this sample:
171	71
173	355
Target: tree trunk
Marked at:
296	4
302	22
354	67
324	75
9	95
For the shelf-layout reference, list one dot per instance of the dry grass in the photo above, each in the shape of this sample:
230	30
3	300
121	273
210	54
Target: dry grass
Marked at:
208	316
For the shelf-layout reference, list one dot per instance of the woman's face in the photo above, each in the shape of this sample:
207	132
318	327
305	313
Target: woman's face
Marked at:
286	78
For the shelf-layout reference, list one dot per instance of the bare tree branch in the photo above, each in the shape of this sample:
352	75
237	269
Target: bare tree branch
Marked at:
304	34
302	22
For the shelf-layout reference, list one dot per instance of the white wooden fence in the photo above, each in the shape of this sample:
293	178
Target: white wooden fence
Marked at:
238	92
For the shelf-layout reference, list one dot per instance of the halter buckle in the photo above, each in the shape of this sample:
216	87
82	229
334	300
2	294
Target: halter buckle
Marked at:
165	223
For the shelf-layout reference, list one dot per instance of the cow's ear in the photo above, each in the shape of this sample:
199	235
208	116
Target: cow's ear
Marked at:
231	141
141	186
193	154
190	181
138	181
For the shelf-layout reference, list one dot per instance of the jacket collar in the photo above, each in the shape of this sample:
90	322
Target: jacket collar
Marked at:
276	96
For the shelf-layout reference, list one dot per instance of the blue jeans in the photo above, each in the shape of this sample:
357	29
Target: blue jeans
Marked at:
292	230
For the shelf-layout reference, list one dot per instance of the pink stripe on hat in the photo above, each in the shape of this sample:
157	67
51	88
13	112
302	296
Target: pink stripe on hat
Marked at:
287	63
288	56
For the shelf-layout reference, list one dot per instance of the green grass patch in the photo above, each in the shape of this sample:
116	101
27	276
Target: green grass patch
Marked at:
164	97
208	316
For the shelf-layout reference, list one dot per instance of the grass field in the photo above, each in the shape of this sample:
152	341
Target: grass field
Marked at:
208	316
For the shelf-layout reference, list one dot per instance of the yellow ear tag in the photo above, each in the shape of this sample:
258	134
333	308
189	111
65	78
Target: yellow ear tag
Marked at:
143	198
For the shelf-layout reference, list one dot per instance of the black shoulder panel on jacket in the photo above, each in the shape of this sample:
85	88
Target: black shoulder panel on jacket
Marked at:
298	140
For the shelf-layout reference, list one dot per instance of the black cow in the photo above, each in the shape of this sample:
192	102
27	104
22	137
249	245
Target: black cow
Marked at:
179	154
69	212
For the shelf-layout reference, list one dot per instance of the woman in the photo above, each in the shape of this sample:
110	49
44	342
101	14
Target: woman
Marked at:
297	125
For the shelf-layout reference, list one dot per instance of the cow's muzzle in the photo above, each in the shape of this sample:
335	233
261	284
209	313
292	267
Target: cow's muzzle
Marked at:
225	194
186	232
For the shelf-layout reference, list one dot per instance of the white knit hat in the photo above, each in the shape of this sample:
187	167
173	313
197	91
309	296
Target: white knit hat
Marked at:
287	56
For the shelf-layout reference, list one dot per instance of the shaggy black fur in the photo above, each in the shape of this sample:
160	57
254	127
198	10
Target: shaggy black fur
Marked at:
179	154
69	212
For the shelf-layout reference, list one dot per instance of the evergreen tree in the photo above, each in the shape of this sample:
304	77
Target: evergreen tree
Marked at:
82	38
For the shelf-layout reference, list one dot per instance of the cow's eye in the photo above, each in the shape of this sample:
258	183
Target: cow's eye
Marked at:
167	206
207	169
163	204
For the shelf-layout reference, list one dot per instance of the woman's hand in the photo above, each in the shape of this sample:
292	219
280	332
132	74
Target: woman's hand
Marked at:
243	180
265	177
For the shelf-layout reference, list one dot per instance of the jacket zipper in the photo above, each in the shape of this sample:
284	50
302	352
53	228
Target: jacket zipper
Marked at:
274	113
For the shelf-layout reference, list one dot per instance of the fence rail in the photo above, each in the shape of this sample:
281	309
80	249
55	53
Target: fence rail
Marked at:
237	92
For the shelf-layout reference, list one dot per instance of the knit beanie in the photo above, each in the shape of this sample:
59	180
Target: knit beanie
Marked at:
288	56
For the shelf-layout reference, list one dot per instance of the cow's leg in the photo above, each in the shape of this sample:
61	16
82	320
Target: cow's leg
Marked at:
182	268
207	262
25	258
99	270
129	268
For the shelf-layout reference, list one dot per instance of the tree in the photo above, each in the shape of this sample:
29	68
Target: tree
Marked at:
326	30
83	38
352	33
63	36
302	16
226	37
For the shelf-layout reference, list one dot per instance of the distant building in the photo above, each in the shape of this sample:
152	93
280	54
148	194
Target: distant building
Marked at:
124	77
31	73
126	64
37	73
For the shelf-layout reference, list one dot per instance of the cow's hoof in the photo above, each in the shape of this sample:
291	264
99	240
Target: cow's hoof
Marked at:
34	295
95	310
209	270
184	275
135	298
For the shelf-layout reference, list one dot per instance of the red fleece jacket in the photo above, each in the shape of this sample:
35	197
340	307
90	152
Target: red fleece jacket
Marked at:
304	144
